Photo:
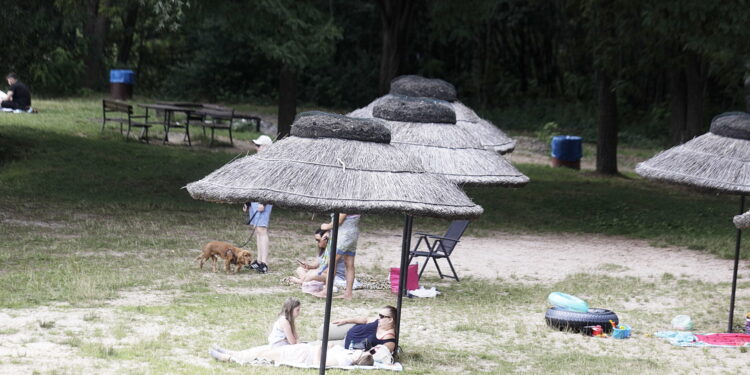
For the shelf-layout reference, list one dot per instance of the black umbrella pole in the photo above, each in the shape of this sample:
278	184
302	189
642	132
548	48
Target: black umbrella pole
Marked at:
736	264
405	247
329	292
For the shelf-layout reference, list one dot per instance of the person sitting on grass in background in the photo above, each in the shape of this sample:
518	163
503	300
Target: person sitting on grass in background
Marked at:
310	270
284	331
18	96
306	271
260	215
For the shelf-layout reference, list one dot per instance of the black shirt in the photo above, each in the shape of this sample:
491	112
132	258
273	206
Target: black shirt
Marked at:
21	94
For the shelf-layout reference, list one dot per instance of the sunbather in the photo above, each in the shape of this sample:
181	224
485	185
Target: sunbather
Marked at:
368	333
284	331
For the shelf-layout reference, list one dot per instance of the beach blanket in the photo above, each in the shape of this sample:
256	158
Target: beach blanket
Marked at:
717	340
377	366
303	355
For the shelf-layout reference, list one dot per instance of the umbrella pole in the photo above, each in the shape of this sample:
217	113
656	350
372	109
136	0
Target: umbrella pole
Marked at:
329	292
736	264
405	247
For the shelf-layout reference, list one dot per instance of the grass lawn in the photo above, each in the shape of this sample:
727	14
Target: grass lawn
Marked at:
98	238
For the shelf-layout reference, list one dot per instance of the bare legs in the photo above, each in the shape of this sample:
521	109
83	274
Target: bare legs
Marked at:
349	273
261	237
349	263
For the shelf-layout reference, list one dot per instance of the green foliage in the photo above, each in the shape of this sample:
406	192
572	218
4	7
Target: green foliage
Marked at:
57	72
547	131
223	42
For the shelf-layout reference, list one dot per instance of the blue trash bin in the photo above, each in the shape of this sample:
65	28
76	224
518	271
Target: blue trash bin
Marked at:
121	83
567	151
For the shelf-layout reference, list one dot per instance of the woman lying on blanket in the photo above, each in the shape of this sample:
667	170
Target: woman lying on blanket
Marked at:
304	354
366	338
368	333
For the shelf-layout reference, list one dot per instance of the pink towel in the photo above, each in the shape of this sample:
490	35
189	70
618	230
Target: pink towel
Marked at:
726	339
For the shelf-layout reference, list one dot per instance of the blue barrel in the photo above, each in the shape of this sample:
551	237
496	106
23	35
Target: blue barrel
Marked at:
121	76
567	148
121	84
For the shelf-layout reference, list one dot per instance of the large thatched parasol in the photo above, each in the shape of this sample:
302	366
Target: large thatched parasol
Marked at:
487	133
425	129
332	163
716	161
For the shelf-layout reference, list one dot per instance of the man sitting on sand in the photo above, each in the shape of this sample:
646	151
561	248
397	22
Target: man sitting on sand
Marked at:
18	96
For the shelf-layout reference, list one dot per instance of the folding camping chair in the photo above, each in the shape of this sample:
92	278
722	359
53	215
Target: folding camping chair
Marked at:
440	247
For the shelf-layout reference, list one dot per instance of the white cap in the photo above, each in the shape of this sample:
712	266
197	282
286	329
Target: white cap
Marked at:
263	140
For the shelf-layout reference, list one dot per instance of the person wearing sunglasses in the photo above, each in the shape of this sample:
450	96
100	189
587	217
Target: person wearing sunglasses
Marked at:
368	333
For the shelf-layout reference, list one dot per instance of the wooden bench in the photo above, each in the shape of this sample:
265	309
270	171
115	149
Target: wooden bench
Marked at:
248	117
123	114
237	114
216	117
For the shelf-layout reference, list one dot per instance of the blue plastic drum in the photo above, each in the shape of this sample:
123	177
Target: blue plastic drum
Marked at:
567	147
121	76
121	84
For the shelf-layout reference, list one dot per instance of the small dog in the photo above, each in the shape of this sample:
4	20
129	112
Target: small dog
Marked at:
230	254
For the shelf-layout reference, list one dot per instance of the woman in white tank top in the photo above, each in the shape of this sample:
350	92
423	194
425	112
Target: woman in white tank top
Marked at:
284	331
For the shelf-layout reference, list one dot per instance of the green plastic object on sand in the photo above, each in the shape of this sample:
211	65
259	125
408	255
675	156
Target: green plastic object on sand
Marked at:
682	323
567	302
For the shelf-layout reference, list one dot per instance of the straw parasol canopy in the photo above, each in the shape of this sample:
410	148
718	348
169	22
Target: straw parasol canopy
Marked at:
486	132
426	130
333	163
718	161
742	221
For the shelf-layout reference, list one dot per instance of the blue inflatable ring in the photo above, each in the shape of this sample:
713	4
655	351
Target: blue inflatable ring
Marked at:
567	302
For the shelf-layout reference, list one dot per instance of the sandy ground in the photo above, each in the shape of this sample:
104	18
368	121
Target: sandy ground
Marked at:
27	347
549	258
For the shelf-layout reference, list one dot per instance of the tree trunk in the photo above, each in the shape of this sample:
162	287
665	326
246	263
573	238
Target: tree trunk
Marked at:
606	145
395	19
677	107
695	77
128	29
287	100
94	31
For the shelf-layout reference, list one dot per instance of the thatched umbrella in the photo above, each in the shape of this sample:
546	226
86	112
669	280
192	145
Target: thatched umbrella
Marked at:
717	161
487	133
426	129
332	163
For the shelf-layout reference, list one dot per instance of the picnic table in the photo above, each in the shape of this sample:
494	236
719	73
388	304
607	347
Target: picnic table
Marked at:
168	121
203	107
211	116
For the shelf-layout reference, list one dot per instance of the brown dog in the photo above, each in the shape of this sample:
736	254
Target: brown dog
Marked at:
230	254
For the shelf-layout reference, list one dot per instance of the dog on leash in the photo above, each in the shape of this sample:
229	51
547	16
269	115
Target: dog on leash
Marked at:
228	252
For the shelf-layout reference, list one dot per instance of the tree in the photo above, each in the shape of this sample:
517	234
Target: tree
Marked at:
289	34
707	44
606	42
396	22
